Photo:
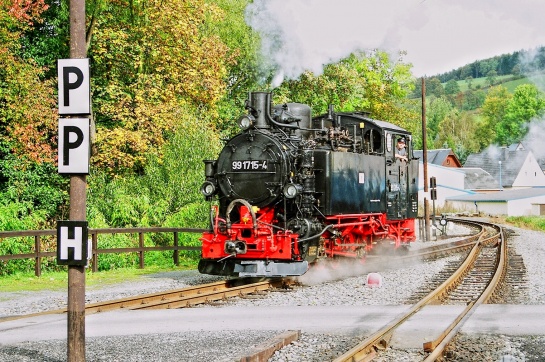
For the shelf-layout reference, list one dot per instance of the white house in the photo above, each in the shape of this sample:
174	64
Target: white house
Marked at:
513	169
513	202
449	182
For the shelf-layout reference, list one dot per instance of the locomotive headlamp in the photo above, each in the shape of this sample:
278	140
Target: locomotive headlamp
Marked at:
208	188
292	190
246	121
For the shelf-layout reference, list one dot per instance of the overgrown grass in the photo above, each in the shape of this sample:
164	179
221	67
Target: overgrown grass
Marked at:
58	281
527	222
536	223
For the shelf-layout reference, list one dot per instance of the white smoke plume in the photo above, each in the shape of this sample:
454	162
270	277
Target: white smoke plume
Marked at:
305	35
331	270
438	35
533	141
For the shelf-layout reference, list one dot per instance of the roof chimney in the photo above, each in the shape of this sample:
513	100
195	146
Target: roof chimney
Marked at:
504	153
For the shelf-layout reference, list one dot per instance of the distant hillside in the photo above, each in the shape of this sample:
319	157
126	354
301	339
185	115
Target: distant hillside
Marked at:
509	81
517	63
477	86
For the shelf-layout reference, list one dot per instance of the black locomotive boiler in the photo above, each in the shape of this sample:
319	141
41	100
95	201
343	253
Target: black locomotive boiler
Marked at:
289	190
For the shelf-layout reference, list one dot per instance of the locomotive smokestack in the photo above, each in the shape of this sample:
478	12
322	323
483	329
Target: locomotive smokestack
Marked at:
260	104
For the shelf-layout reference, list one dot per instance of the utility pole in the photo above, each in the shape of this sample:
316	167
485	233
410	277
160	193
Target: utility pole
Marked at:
425	163
78	201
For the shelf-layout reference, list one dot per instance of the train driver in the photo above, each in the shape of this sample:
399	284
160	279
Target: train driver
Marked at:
401	151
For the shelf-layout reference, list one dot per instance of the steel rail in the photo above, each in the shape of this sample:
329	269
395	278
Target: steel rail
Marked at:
177	298
366	350
209	295
438	346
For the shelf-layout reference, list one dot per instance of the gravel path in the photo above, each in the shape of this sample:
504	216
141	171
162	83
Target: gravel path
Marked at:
320	288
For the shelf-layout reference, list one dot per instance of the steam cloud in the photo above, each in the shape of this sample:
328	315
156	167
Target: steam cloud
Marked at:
306	35
438	35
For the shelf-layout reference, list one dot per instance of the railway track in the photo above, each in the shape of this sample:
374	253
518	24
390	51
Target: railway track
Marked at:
179	298
481	247
472	283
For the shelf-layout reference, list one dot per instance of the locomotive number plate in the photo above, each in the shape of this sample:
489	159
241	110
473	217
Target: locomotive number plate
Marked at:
256	165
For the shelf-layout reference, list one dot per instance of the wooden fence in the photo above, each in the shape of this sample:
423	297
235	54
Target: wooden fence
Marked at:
38	254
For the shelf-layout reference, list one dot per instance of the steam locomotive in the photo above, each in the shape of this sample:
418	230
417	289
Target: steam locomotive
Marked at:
292	190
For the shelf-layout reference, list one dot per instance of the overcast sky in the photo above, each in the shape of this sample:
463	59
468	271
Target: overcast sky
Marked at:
438	35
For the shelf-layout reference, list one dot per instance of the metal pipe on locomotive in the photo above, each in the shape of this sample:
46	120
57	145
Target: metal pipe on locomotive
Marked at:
292	189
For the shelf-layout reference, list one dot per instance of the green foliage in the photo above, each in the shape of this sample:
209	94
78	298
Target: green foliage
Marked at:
527	102
370	82
505	64
151	61
38	186
436	112
434	87
470	100
167	194
167	186
15	246
493	110
491	77
528	222
457	131
17	216
48	39
452	87
243	74
119	260
177	178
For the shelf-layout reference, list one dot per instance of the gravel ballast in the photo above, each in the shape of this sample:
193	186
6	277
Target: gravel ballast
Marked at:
320	288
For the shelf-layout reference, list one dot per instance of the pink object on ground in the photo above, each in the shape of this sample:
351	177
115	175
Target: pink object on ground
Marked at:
374	280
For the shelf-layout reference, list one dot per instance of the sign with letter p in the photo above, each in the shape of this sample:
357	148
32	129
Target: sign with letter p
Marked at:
74	86
74	145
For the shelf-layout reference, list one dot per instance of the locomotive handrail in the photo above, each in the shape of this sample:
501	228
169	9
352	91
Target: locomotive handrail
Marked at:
38	254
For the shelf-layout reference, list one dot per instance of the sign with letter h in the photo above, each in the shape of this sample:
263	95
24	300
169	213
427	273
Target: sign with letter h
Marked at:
72	243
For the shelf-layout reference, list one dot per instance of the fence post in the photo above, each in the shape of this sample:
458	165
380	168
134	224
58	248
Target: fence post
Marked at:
141	252
37	258
176	251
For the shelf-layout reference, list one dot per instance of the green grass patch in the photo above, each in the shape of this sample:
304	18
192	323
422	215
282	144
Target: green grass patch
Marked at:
481	83
527	222
57	281
511	85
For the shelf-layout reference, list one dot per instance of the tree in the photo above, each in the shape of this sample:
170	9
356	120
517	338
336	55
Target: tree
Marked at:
417	92
438	109
491	77
368	82
151	59
473	99
527	102
469	81
452	87
493	111
28	117
434	87
243	74
466	72
457	131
